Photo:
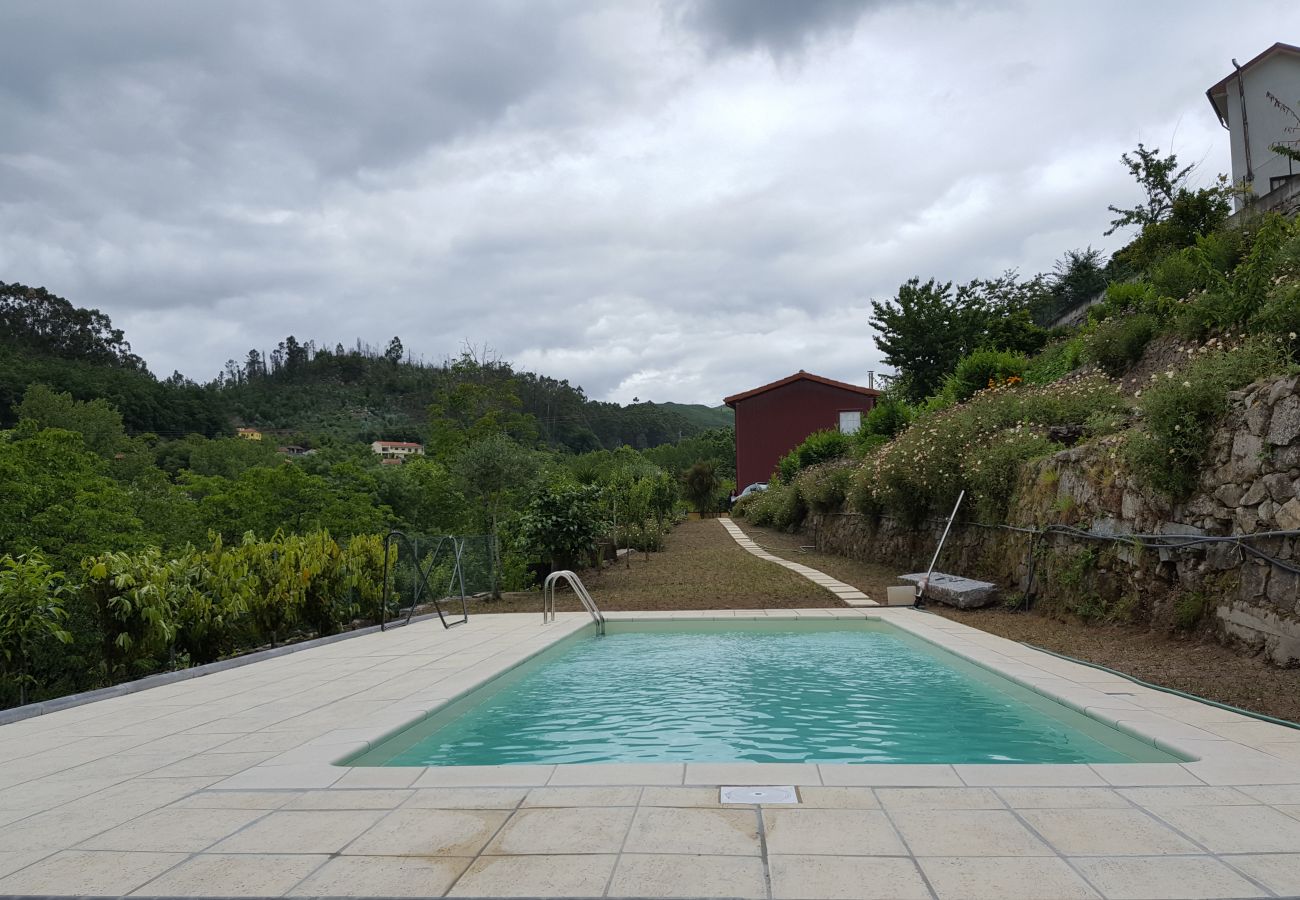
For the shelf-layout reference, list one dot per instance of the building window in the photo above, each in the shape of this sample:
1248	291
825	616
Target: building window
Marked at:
850	421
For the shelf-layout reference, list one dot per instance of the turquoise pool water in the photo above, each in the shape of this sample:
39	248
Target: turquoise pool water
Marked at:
839	693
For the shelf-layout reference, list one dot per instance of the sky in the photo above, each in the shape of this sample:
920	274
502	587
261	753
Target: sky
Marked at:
672	201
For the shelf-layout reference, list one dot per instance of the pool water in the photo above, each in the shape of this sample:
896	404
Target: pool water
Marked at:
859	692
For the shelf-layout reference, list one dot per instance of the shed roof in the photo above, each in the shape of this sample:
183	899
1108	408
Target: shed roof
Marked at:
1218	94
801	375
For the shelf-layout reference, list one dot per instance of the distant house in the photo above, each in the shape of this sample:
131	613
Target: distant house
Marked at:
774	419
1256	124
248	434
396	452
294	450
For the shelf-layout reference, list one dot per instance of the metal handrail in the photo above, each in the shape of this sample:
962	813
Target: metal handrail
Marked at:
548	597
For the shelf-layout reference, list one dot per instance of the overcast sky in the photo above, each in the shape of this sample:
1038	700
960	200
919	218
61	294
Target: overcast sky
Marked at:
669	200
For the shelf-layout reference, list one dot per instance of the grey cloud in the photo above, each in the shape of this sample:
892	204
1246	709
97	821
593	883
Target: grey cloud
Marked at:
781	27
573	184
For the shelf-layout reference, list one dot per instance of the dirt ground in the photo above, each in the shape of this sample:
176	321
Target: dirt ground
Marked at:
870	578
701	567
1197	666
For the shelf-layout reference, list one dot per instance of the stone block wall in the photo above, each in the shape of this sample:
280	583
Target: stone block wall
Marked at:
1250	486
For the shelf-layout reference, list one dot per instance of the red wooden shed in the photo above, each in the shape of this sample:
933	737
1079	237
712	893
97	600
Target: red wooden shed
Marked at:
774	419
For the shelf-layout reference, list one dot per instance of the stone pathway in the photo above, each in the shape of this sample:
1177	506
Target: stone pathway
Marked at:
846	592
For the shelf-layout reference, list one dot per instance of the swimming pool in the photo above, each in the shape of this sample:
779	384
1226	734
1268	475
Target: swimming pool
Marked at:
841	692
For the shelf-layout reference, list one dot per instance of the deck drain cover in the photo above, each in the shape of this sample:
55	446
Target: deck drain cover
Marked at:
763	794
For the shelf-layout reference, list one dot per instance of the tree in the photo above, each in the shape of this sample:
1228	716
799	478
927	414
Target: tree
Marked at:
31	612
561	522
263	500
999	312
98	423
922	331
701	484
1160	178
1172	216
468	410
489	471
1289	148
1076	278
59	499
36	319
393	353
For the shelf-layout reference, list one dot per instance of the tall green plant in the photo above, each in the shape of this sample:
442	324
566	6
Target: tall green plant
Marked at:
32	613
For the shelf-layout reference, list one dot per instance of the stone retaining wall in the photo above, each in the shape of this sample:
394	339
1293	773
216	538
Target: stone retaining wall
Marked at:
1251	485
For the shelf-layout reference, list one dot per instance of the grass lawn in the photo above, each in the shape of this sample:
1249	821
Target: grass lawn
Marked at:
700	567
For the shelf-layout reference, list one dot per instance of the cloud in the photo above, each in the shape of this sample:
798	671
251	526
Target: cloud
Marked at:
780	27
648	201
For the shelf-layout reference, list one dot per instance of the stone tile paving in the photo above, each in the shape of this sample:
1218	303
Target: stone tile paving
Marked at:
226	785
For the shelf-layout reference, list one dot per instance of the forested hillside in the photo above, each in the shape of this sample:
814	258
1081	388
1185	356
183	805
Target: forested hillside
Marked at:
305	393
139	534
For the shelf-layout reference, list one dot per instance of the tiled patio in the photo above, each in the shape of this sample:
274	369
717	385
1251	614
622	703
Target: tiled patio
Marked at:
224	785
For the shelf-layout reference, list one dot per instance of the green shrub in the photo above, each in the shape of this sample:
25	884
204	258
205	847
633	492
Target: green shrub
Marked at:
1181	409
1105	421
1055	362
984	369
824	487
1280	315
1115	344
1177	275
562	522
32	613
780	506
1189	609
818	447
1231	301
886	419
1122	298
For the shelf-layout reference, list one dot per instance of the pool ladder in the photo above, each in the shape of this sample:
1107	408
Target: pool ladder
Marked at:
548	597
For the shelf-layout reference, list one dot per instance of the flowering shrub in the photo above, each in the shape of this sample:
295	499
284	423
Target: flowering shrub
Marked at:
975	446
780	506
1115	344
984	369
824	487
1180	410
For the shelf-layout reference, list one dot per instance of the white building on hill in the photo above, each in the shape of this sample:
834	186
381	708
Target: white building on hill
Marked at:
1259	104
397	451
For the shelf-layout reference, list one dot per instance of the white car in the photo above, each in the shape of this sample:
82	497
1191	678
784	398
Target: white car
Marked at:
756	488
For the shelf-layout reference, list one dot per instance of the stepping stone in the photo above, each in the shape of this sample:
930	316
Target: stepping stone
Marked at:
845	592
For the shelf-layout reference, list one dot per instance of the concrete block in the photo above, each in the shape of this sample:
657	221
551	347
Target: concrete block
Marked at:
963	593
901	595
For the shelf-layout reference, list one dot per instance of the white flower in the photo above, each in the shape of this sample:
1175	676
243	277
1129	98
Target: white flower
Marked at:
1187	384
1291	335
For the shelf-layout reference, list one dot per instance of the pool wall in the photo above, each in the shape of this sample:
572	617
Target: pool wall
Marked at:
401	747
1106	698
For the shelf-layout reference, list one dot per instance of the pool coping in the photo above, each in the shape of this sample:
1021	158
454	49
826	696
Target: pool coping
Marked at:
1150	715
225	784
